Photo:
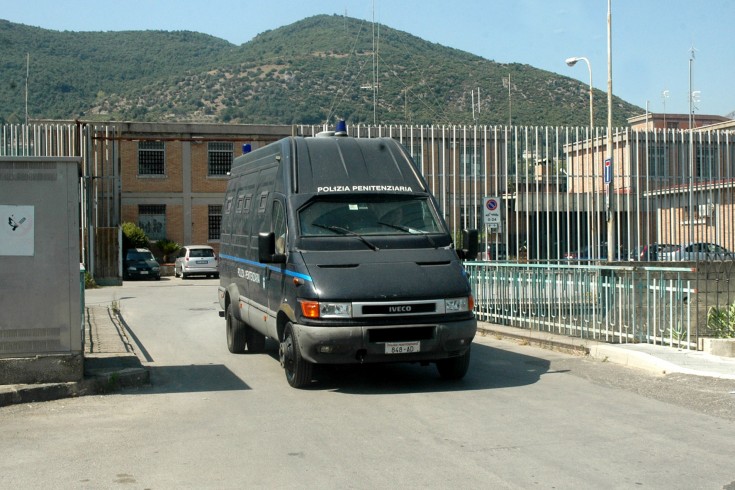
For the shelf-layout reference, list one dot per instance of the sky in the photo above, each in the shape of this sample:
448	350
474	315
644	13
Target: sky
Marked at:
657	47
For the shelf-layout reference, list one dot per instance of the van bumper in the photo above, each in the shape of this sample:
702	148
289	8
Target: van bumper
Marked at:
356	344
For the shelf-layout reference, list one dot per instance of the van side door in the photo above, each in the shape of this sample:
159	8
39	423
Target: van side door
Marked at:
275	279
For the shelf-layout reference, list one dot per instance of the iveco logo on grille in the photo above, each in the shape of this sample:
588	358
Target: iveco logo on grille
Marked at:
399	309
394	309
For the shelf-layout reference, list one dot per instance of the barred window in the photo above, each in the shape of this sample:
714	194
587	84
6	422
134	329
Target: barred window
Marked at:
215	221
151	158
472	161
152	219
219	158
656	161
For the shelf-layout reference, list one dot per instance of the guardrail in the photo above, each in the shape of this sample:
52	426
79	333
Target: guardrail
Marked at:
616	304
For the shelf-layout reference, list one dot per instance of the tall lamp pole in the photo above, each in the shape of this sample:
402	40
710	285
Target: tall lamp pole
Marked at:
611	186
571	62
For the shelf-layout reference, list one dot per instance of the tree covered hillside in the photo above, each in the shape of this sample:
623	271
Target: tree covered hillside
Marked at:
316	70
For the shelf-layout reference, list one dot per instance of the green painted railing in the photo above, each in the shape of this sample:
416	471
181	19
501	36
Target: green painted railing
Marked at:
616	304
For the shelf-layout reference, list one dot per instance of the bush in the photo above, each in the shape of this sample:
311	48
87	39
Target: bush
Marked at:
721	321
89	282
167	248
133	236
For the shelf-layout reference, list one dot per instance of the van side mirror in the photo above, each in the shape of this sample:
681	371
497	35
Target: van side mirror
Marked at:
470	245
267	249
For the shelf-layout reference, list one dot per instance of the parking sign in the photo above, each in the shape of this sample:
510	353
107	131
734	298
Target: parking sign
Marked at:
491	208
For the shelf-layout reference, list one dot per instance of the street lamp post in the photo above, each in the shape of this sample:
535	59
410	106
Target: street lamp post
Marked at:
571	62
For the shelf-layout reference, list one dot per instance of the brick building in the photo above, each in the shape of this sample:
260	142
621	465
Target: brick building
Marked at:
173	176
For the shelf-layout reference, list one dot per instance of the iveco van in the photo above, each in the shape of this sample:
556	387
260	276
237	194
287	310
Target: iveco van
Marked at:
333	246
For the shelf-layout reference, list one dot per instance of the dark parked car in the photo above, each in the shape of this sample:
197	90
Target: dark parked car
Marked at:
651	252
585	254
140	263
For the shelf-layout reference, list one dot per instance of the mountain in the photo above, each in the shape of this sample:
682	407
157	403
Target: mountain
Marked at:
319	69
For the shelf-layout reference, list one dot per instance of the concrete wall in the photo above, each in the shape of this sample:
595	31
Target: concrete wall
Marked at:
40	292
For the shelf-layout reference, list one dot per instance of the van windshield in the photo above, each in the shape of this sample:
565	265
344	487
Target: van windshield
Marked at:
383	215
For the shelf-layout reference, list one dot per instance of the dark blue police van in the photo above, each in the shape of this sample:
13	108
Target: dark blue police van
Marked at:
334	247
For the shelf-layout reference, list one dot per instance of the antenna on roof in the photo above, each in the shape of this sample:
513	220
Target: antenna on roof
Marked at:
28	72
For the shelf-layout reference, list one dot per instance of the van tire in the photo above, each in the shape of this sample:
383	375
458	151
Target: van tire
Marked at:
254	340
298	370
454	367
235	332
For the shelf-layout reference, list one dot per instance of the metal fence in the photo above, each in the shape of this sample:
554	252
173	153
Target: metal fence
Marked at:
558	218
668	186
99	178
655	305
667	215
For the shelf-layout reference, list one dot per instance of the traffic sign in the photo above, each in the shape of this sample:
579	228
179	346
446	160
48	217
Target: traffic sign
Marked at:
608	171
491	208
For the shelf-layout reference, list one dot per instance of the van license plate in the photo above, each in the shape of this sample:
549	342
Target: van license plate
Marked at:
402	347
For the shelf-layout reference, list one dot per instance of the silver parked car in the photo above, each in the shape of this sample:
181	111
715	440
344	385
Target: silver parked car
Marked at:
196	260
697	251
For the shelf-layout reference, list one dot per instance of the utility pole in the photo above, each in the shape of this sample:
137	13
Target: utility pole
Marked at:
691	149
510	107
28	73
611	239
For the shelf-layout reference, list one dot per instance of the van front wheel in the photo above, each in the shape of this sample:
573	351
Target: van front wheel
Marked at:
298	370
454	367
235	332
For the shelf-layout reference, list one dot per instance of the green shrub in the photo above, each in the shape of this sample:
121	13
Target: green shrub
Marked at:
89	282
167	248
721	321
133	236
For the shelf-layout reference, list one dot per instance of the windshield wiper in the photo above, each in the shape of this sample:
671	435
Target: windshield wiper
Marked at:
412	231
345	231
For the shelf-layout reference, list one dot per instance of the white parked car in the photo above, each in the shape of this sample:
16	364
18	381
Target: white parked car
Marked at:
196	260
697	251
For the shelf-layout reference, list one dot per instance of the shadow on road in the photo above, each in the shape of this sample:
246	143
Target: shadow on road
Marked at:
194	378
490	368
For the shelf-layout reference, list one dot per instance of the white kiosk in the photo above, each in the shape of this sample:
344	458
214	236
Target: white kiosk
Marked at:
41	307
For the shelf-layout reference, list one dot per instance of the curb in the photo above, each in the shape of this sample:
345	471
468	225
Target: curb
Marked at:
97	384
116	368
537	339
597	350
638	360
600	351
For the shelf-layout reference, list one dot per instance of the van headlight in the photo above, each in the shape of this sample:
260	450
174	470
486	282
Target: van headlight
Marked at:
319	309
458	305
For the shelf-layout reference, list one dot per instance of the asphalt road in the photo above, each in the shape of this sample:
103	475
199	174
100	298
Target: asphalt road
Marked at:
523	417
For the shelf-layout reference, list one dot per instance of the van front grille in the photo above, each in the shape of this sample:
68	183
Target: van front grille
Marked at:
400	334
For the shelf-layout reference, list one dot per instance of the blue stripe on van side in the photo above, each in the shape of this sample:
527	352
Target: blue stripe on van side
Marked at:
264	266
